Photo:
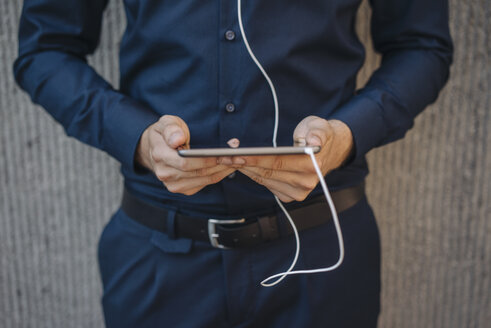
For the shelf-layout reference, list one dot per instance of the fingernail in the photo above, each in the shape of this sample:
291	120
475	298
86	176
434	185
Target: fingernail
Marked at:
300	142
225	161
174	137
239	160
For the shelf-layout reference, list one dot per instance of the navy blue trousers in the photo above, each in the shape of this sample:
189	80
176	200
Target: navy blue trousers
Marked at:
153	281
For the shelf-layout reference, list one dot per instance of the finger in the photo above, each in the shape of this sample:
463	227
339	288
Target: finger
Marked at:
235	161
189	164
162	153
305	181
174	131
292	163
318	137
188	185
314	131
167	173
301	130
227	160
174	136
281	196
286	189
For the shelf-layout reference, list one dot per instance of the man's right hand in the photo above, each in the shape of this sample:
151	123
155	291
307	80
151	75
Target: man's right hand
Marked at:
157	151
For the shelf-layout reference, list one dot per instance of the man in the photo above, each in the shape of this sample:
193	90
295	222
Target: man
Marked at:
187	80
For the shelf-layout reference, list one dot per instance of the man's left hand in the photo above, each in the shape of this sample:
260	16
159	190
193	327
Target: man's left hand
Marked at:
293	177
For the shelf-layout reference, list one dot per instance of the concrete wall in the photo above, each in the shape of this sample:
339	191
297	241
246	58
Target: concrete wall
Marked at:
431	193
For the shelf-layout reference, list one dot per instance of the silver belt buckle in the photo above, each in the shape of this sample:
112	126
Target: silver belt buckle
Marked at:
212	231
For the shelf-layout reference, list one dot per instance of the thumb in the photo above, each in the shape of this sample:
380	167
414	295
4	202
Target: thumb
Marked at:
174	131
320	133
316	137
302	130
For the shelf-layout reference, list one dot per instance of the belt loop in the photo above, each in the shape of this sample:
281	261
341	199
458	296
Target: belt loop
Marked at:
171	224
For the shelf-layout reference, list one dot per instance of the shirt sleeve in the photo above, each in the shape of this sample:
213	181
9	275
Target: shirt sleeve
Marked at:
54	39
414	40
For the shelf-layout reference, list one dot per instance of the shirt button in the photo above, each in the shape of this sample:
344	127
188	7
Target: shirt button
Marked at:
231	175
230	35
230	108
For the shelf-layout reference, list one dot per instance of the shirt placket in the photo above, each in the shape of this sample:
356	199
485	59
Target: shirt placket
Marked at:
229	105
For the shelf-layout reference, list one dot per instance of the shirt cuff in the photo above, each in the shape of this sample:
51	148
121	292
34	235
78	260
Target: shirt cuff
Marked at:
364	118
124	125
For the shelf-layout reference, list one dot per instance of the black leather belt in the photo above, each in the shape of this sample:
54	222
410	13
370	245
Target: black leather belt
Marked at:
243	232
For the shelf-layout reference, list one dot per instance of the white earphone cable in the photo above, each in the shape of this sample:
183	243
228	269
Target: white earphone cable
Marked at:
280	276
266	76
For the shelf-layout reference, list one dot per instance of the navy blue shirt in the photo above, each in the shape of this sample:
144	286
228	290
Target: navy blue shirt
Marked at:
186	58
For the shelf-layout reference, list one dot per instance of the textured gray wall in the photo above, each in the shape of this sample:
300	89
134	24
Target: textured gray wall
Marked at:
431	193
